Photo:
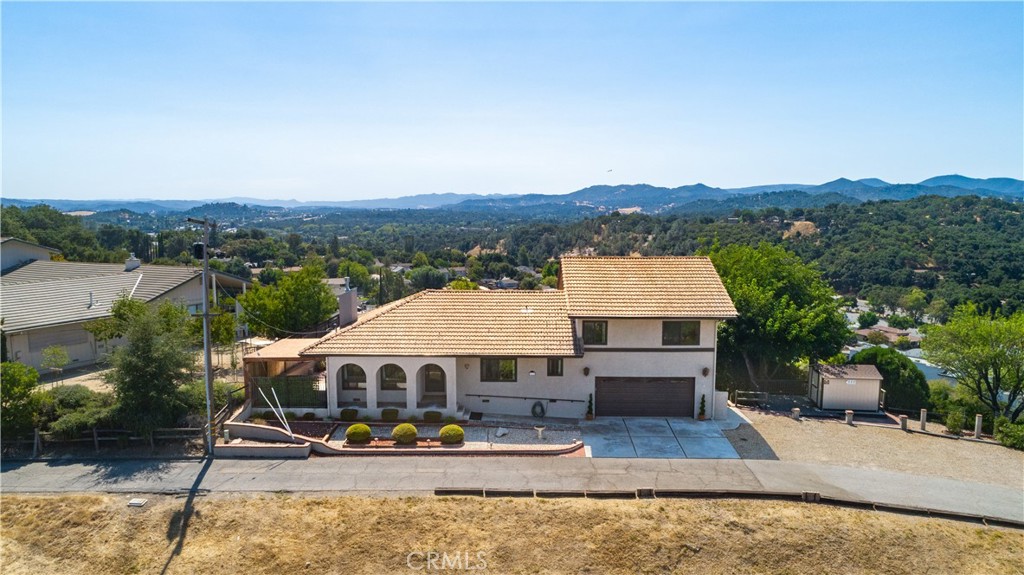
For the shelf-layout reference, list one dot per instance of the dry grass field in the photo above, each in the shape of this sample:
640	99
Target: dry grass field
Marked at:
274	534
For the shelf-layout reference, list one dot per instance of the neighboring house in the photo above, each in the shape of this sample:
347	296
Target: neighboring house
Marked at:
891	333
46	303
15	252
841	387
637	334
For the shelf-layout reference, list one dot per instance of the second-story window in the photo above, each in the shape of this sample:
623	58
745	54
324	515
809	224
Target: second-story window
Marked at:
595	333
680	333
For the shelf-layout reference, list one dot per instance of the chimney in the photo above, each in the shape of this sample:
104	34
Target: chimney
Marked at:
131	263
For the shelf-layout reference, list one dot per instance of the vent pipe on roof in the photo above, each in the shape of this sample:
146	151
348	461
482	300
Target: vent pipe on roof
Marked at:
131	263
90	300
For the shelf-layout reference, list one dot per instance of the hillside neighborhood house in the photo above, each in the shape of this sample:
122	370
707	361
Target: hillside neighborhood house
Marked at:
48	303
637	334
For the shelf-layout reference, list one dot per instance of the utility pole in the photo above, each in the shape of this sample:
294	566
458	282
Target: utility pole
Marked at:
207	360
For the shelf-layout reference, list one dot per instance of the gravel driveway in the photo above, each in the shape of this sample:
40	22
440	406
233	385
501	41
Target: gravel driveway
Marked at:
834	442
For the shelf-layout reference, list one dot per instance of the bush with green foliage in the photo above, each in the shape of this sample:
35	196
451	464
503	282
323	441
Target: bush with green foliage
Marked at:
412	418
867	319
1009	434
290	416
904	384
17	382
955	422
452	434
875	337
450	419
358	433
349	414
945	399
404	434
432	416
309	416
389	414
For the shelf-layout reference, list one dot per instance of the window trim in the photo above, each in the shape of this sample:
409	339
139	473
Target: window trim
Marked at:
515	369
561	367
664	333
346	385
595	321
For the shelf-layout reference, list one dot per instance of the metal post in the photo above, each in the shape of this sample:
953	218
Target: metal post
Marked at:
977	425
207	359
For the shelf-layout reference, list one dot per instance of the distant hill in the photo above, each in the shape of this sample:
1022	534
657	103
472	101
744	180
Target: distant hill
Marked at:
586	202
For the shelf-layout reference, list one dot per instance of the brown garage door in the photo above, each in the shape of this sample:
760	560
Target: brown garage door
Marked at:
644	396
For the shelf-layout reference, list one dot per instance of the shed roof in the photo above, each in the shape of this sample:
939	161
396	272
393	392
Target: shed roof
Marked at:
852	371
456	322
282	349
669	286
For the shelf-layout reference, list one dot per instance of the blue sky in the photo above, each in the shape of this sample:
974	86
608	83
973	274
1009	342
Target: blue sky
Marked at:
345	101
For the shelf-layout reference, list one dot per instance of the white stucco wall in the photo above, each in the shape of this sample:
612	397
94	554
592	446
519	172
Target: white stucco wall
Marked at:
373	396
86	352
14	253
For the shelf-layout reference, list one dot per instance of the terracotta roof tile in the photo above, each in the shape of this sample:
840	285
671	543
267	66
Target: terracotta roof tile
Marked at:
455	322
669	286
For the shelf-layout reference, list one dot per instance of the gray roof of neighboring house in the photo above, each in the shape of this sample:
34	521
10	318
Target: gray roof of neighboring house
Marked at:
853	371
4	240
44	293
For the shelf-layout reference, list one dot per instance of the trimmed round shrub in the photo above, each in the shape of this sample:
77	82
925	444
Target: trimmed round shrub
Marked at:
290	416
452	434
349	414
389	414
309	416
358	433
404	434
432	416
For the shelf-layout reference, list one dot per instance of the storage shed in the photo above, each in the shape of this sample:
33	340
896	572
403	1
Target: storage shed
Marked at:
856	387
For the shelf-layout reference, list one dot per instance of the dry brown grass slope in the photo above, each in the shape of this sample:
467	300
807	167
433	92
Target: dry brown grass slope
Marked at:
99	534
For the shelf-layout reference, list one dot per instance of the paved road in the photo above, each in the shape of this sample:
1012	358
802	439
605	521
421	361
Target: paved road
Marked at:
423	474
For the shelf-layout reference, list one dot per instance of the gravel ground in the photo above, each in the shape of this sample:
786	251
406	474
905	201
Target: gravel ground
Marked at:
826	441
486	437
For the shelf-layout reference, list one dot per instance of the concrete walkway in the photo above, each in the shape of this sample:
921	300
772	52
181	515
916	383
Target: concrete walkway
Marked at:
419	475
656	438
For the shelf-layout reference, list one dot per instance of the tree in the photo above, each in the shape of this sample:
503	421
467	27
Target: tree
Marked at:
357	274
428	278
900	321
55	357
270	276
867	319
463	284
420	260
786	310
905	386
938	310
914	303
147	370
17	381
297	302
528	283
876	337
122	312
985	354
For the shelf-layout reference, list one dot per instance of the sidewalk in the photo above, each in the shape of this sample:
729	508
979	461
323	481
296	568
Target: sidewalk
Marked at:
421	475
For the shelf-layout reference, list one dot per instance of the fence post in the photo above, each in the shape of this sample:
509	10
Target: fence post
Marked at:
796	413
37	443
95	440
903	422
849	417
924	420
977	426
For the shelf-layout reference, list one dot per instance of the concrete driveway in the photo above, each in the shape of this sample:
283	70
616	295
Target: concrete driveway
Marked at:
656	438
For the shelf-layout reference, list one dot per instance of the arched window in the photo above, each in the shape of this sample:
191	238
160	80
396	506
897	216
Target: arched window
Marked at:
352	377
392	378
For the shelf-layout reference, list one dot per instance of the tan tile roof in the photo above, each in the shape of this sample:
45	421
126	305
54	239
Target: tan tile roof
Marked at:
282	349
644	287
853	371
455	322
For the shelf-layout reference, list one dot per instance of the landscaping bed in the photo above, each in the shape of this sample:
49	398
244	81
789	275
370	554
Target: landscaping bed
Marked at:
306	428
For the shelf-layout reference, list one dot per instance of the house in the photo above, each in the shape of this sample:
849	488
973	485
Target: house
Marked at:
635	334
15	252
45	303
891	333
842	387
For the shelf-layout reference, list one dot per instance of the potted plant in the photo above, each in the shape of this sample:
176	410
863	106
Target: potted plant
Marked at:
590	407
700	414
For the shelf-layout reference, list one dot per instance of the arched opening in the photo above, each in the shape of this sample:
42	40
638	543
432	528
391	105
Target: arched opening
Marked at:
431	383
392	378
351	385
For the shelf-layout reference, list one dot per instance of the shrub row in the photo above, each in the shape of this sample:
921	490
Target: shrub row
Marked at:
404	434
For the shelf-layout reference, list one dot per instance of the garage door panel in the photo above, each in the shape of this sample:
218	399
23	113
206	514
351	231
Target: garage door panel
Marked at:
644	396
